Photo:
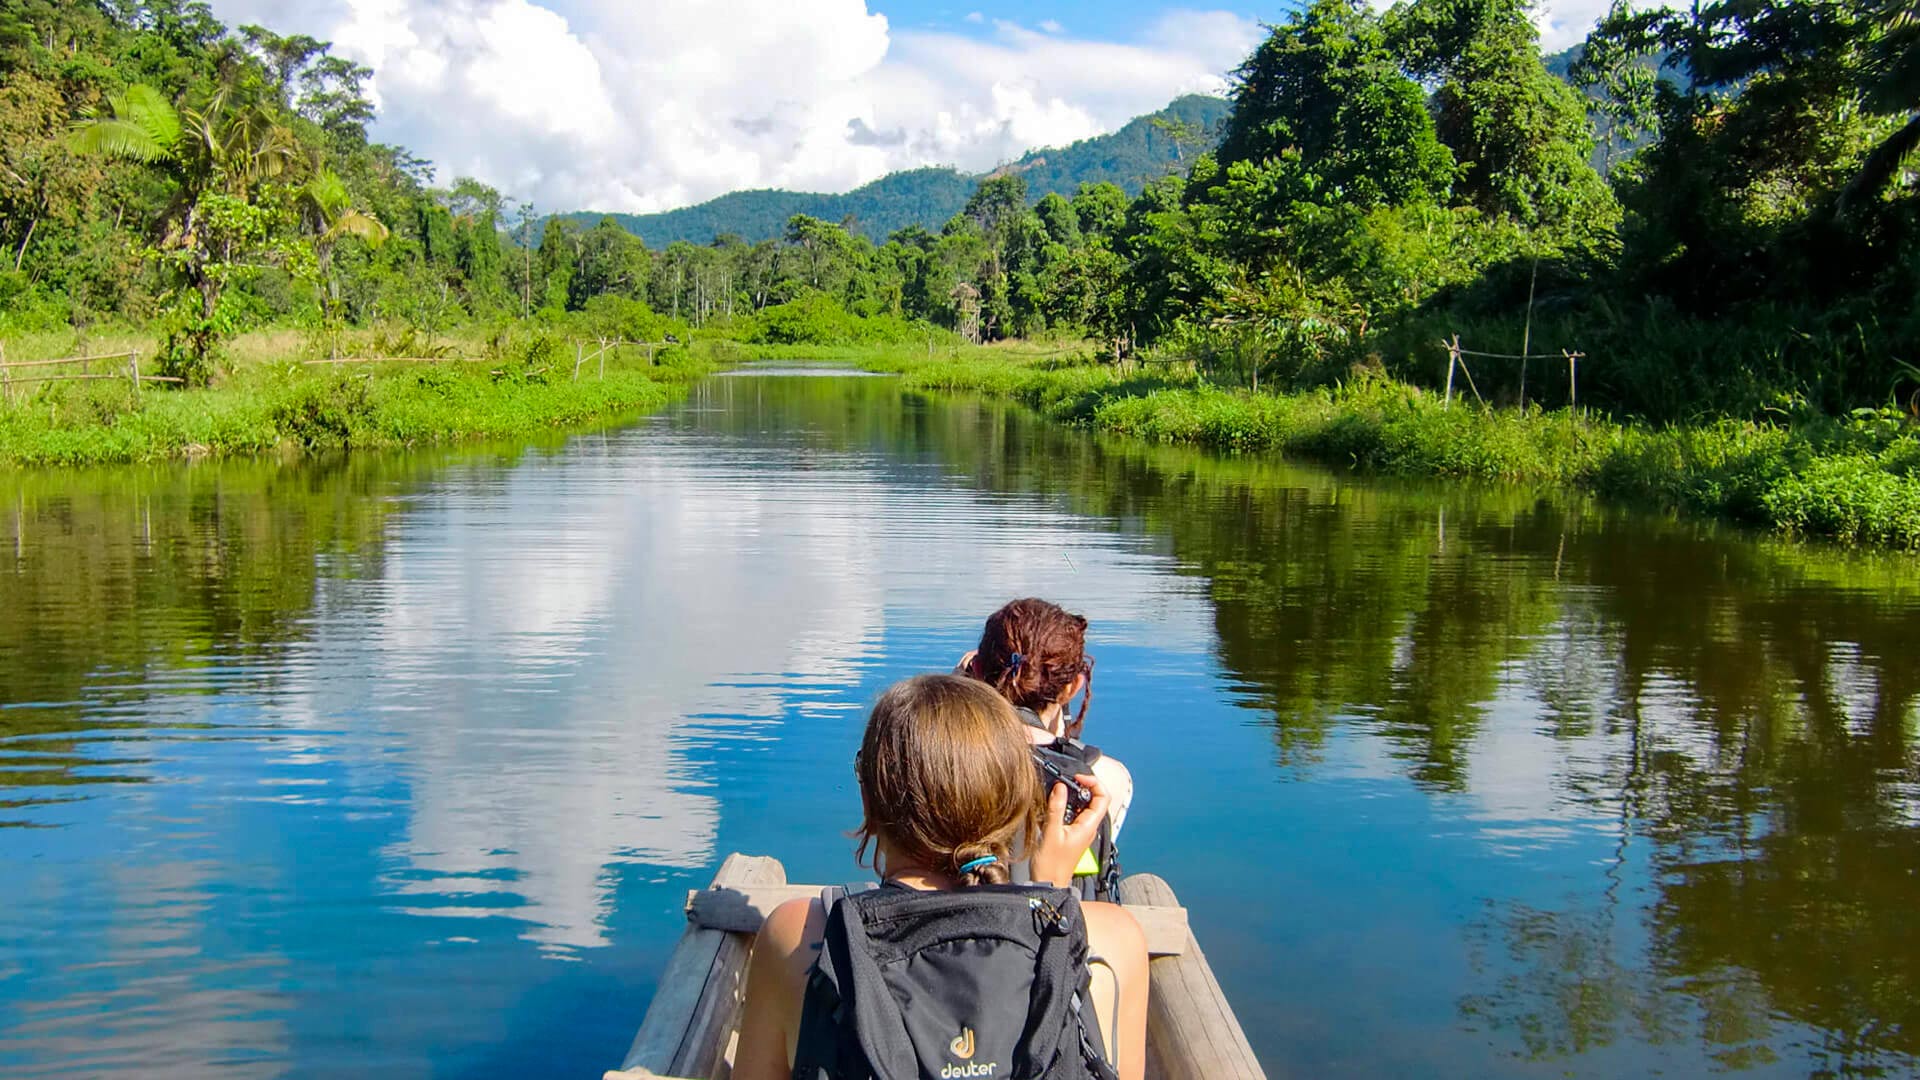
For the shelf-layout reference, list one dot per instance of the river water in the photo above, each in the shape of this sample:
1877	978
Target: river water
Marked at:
400	765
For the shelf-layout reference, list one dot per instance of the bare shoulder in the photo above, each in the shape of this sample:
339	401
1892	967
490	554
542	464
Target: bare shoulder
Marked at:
787	924
793	932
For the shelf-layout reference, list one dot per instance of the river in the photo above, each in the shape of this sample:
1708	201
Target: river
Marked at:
402	764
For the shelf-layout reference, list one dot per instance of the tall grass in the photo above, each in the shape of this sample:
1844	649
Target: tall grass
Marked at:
265	406
1855	480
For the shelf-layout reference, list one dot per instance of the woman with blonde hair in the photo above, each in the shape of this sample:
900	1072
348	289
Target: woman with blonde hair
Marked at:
947	969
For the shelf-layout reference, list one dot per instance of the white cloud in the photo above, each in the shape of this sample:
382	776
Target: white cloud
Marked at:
1567	22
603	104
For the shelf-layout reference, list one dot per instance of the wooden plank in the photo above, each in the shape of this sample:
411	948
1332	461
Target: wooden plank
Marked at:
700	993
1192	1033
741	911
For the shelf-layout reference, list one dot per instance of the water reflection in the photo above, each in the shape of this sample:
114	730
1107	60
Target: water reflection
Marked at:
327	766
1729	722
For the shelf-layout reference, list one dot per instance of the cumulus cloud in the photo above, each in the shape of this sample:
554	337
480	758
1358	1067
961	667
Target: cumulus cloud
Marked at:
1566	22
604	104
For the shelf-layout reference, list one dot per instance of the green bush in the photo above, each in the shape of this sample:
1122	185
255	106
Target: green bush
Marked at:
817	319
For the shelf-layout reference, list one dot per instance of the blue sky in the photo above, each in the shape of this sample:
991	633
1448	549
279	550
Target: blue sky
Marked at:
622	106
1088	18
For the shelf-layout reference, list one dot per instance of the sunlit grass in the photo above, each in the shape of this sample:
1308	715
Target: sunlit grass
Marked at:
1855	481
268	401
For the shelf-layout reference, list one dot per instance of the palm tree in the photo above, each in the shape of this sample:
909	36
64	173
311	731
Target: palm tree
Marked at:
327	211
1893	85
219	152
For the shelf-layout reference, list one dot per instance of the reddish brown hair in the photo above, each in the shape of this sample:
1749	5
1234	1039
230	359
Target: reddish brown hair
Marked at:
1051	645
946	778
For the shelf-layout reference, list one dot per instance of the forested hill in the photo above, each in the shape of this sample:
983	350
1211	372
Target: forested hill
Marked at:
1129	157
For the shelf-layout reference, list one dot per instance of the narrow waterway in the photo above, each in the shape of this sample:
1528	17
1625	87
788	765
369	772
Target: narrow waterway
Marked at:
401	765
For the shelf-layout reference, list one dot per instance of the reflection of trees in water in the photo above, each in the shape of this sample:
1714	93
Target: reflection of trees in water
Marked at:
110	576
1752	702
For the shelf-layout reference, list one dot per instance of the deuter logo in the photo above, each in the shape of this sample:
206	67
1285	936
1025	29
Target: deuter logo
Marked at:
962	1047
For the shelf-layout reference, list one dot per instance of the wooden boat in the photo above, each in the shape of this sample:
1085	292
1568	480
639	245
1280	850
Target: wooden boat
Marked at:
691	1027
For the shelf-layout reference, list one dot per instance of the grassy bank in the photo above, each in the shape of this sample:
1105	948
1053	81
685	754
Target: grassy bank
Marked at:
277	405
1856	481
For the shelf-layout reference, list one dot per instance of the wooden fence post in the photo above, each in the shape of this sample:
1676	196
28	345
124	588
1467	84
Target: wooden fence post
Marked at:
6	379
1453	360
603	361
1573	389
133	370
579	356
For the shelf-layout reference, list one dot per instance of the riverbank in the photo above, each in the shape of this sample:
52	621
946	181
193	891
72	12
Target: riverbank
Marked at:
278	405
1855	481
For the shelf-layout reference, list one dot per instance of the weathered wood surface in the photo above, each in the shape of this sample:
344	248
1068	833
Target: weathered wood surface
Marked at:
743	910
695	1010
1192	1033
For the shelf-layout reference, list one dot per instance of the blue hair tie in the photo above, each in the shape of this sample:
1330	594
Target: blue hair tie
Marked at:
1014	661
975	864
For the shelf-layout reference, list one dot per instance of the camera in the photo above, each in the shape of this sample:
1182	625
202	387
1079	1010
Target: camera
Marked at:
1060	769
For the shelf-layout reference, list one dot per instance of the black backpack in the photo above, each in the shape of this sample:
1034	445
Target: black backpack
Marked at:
982	982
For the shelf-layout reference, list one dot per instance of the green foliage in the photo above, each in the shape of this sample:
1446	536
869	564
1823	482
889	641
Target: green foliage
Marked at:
1856	483
1520	135
366	407
1324	93
815	319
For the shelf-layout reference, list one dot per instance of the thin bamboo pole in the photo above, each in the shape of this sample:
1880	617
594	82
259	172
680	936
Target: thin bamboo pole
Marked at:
64	361
115	377
1453	361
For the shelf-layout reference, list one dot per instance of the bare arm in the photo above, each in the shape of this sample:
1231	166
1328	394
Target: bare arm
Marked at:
776	984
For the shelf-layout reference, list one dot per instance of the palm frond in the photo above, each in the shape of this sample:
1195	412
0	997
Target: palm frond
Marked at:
139	124
354	223
116	138
149	108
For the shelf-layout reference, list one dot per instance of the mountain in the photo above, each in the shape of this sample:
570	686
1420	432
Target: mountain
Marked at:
1129	157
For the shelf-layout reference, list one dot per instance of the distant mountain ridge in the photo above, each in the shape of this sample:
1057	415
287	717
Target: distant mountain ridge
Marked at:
1129	157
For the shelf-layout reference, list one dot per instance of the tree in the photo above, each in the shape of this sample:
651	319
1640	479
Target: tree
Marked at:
1891	79
1520	135
1324	91
220	152
610	261
1620	90
326	210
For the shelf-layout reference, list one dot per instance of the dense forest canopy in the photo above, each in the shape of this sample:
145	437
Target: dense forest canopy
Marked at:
1383	180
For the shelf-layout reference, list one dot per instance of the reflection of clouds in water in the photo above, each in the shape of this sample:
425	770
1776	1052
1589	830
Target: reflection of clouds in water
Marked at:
175	1011
546	645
